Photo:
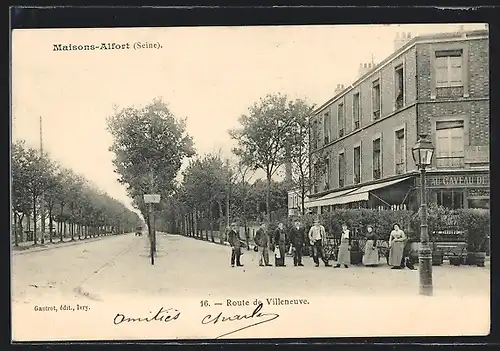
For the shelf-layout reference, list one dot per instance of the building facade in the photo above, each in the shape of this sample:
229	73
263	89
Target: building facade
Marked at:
361	139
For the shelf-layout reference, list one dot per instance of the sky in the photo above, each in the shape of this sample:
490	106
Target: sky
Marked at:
209	75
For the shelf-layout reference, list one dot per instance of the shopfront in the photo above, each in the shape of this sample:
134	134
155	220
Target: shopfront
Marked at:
460	189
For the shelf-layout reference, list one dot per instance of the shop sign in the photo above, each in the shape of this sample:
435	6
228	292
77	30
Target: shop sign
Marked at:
456	181
479	192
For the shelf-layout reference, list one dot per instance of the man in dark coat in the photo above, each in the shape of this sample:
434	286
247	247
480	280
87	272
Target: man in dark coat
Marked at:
234	241
261	239
281	241
297	239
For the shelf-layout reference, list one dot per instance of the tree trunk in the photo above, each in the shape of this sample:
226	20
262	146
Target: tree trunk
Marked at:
34	221
210	223
268	198
51	223
16	230
72	231
221	224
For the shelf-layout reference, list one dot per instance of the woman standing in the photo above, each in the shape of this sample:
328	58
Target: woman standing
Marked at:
344	256
370	255
396	247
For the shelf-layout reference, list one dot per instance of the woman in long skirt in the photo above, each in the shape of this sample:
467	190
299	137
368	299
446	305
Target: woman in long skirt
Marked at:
344	256
370	255
396	247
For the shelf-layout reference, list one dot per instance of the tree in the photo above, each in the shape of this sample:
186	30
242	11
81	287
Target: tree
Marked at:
298	145
38	171
263	136
149	144
21	204
68	197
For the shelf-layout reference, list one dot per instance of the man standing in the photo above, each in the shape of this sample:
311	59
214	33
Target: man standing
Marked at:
261	239
234	241
297	238
280	240
317	236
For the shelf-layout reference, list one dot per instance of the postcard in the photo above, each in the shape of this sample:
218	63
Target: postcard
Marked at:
250	182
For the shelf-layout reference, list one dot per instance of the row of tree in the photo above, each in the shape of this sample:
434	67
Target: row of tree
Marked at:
72	205
150	145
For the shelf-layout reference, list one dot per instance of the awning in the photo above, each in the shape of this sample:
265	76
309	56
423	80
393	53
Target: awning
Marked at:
352	195
327	199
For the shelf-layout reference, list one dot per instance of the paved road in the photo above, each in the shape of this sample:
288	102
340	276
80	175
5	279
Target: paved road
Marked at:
117	272
190	267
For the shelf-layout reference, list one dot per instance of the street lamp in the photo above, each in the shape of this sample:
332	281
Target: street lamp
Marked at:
422	155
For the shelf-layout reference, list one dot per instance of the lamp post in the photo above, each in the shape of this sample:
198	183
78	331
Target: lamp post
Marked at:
422	155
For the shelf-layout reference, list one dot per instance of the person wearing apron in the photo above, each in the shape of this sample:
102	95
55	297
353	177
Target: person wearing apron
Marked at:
370	255
396	247
344	256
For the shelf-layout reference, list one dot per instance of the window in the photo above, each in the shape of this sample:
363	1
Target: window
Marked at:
448	68
327	174
399	86
315	134
451	198
356	110
450	144
357	165
326	127
376	159
316	177
341	170
340	120
400	151
376	99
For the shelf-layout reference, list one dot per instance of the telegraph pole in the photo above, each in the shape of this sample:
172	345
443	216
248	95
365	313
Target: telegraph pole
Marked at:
42	200
227	195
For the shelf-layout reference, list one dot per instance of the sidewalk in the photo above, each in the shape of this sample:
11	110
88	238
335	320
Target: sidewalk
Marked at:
28	246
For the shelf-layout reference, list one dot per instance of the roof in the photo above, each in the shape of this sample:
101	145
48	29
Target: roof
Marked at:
466	35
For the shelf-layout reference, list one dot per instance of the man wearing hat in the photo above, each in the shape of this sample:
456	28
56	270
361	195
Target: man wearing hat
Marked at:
317	236
261	239
234	241
297	239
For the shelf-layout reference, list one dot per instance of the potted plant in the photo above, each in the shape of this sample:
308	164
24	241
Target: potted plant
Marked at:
456	260
476	224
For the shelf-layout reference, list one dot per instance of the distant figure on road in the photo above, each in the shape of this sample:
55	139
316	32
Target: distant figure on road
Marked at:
297	239
261	239
317	236
281	241
234	241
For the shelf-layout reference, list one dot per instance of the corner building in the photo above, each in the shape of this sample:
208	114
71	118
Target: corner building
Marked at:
361	139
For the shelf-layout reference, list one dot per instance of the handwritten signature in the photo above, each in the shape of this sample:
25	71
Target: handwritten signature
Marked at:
209	319
162	315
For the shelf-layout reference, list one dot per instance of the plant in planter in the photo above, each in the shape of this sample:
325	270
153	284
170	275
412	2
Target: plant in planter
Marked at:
456	260
476	223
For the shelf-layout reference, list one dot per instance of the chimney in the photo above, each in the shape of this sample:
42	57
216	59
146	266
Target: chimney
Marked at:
401	39
365	68
339	88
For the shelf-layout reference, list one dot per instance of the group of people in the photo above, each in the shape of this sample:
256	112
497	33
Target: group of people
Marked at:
295	239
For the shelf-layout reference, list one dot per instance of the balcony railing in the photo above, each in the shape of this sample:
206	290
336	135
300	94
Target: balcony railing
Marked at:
341	133
376	115
341	183
450	162
376	174
356	124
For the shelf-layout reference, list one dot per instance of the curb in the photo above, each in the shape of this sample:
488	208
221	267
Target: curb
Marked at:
52	247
